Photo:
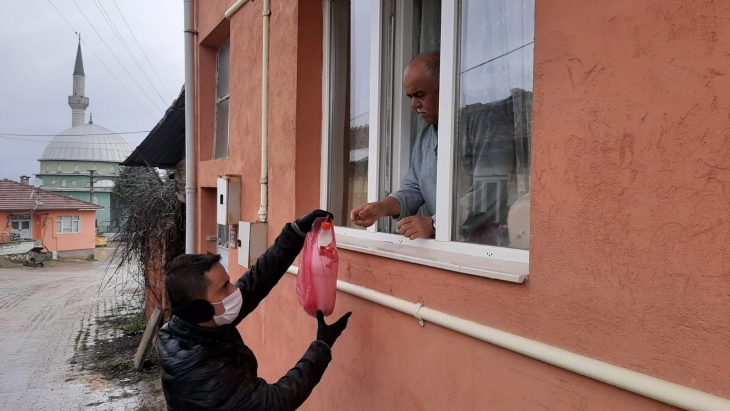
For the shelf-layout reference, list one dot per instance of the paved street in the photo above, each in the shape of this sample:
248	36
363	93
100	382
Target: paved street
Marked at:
45	315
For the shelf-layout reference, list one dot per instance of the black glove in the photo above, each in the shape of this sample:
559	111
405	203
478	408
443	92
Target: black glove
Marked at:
305	223
328	334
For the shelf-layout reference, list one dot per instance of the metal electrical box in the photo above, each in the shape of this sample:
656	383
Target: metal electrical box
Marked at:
251	242
228	200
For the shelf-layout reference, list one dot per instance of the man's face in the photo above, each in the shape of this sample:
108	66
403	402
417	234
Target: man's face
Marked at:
423	92
219	287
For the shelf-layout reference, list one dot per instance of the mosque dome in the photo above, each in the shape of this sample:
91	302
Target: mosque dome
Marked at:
87	142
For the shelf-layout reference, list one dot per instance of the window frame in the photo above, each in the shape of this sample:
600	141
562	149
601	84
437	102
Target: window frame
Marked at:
502	263
74	219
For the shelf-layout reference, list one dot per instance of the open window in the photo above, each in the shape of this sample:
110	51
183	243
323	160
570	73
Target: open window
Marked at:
481	147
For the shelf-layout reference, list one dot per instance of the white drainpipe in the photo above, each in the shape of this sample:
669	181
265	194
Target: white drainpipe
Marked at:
234	8
264	208
645	385
189	129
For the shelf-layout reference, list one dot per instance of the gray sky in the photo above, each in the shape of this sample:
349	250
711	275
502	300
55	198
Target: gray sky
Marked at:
38	51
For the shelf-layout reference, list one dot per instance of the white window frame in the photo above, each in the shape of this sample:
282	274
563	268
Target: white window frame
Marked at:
499	263
73	218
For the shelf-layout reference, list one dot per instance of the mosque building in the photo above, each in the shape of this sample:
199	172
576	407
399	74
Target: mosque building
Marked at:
83	161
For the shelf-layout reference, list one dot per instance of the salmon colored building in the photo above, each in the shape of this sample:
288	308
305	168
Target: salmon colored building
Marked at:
592	274
64	226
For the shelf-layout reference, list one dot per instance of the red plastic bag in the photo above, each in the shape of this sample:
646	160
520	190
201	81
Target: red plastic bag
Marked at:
317	278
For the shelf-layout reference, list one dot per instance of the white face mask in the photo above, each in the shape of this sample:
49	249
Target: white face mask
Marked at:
232	305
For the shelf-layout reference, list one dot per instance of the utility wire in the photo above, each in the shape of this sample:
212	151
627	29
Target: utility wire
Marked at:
65	142
498	57
119	81
141	49
102	63
115	57
74	135
117	33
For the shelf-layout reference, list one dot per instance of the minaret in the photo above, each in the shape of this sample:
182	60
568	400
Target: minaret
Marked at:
77	101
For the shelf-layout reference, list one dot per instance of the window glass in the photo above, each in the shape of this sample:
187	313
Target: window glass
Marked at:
67	224
494	122
222	237
349	106
222	101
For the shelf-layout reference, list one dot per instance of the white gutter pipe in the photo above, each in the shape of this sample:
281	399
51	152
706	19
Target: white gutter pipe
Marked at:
233	9
264	207
189	129
632	381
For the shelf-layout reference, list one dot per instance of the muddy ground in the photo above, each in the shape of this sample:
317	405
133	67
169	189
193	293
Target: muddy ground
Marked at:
66	345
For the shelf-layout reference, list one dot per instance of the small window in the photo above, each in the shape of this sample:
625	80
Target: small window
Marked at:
63	183
68	224
222	103
76	168
48	168
222	237
59	167
111	170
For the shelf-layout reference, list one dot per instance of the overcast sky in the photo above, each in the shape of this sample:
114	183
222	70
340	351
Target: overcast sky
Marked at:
37	54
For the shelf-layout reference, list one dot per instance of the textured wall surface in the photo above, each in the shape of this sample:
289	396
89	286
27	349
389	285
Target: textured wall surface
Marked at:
630	206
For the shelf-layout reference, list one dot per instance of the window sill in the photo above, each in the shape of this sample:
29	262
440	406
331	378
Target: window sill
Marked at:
468	259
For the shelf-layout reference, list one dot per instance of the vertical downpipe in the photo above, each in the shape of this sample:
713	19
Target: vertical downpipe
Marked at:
189	129
263	210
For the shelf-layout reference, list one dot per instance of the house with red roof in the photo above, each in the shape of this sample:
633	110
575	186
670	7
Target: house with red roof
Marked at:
64	226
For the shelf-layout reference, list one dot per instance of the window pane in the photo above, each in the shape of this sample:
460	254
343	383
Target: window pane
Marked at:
221	130
494	122
349	107
75	227
15	225
25	225
224	70
222	237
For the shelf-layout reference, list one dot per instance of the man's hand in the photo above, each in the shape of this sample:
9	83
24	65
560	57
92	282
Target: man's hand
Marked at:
328	334
416	227
367	214
305	223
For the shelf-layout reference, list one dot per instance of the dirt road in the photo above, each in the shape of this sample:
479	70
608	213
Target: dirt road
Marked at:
46	314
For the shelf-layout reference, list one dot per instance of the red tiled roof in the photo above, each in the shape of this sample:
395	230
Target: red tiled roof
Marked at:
19	197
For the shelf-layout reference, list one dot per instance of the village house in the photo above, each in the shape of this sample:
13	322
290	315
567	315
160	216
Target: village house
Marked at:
600	280
62	225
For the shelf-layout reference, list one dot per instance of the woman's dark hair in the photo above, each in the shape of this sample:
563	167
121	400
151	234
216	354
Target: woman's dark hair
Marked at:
185	277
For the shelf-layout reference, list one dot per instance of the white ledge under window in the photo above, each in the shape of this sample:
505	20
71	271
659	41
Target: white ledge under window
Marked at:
497	263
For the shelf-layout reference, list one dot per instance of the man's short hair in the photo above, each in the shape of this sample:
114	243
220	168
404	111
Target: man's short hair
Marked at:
431	62
433	65
185	278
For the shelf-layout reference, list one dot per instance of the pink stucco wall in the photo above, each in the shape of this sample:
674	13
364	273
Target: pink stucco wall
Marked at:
630	205
43	227
53	241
